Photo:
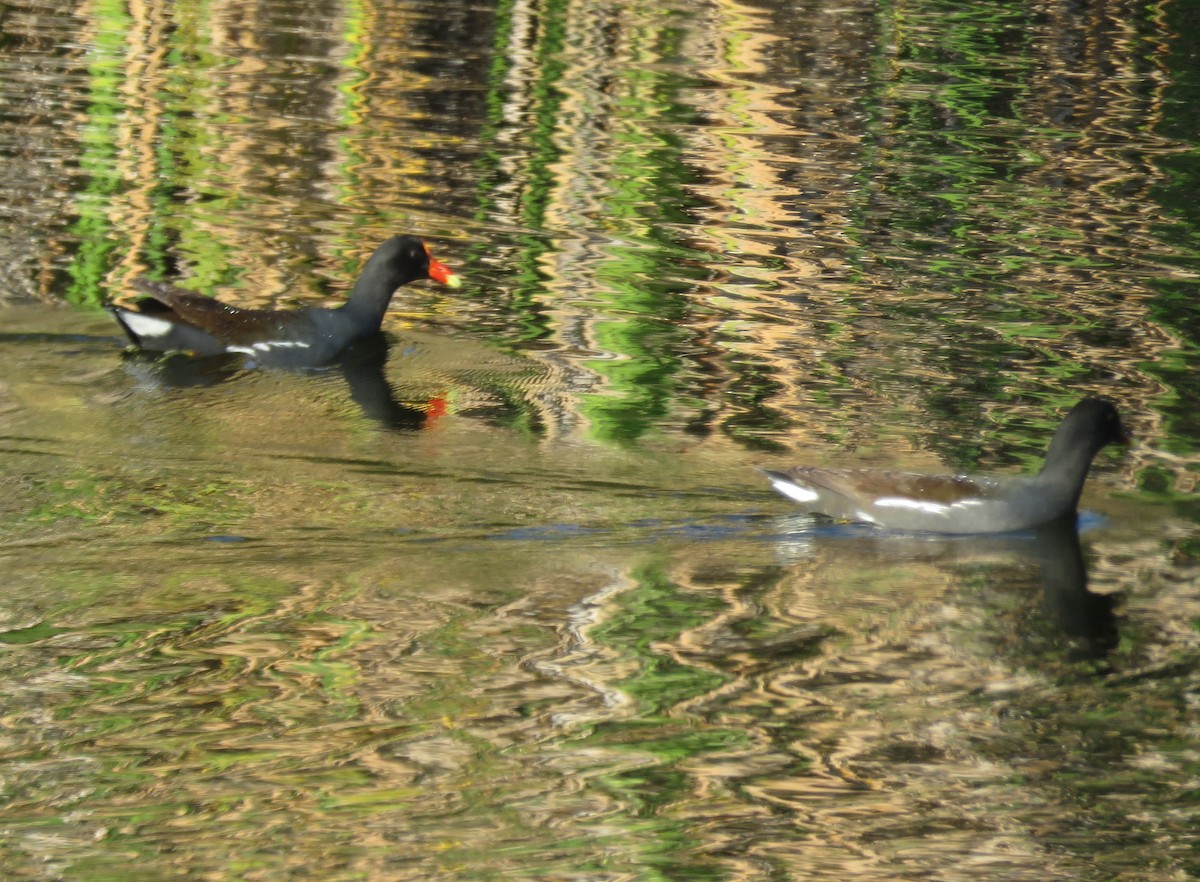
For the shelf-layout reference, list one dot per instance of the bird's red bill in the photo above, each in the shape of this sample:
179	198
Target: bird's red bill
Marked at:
439	272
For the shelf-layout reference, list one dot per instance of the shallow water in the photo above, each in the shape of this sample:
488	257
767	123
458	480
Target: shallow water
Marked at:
503	596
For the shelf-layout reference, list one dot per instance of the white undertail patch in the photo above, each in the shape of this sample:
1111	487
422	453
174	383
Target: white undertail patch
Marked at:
146	326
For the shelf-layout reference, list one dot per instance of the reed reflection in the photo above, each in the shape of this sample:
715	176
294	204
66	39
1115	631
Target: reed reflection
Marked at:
428	392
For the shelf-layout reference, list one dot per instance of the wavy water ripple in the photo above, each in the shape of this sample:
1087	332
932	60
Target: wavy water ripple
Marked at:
502	595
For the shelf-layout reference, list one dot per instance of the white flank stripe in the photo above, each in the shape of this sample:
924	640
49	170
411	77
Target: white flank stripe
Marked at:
794	491
914	504
931	507
265	346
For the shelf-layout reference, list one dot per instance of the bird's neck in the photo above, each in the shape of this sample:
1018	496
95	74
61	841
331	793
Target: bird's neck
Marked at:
1067	462
369	298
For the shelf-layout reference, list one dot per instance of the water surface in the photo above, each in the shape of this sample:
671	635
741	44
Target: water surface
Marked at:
503	595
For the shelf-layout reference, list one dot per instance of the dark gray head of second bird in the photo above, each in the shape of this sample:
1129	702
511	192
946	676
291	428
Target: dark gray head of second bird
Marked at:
1091	425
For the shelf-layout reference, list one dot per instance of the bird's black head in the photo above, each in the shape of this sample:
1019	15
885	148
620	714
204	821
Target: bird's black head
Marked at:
409	259
1101	420
1091	425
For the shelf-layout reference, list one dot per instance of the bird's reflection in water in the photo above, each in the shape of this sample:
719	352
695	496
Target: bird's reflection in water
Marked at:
1086	618
1083	615
179	370
362	367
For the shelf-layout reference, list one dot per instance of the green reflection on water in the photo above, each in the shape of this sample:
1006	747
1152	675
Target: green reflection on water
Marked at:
641	280
188	189
634	282
172	149
658	741
654	611
1176	305
98	154
32	634
123	499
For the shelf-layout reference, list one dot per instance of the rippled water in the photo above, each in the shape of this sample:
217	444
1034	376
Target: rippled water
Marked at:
503	596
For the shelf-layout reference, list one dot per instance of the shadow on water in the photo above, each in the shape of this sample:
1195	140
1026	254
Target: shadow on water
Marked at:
1083	615
1086	618
363	367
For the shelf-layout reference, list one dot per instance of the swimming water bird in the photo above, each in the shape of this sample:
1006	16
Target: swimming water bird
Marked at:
171	319
962	504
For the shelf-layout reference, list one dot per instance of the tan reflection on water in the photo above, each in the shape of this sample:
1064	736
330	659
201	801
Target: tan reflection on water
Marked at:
882	737
876	715
248	145
761	146
387	681
388	678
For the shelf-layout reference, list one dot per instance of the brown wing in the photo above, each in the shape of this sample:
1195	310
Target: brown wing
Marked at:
869	484
212	316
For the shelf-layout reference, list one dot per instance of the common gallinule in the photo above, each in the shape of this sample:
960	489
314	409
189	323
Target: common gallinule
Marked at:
956	503
172	319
